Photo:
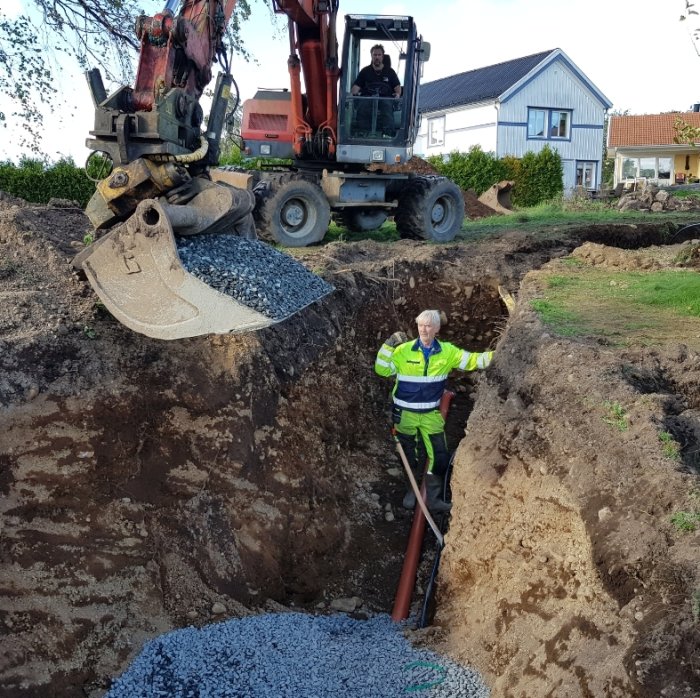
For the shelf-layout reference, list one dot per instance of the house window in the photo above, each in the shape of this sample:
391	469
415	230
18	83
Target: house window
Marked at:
436	131
536	123
629	168
560	124
550	124
649	167
585	174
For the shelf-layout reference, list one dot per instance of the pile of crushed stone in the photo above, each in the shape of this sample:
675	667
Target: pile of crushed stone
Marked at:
295	655
255	274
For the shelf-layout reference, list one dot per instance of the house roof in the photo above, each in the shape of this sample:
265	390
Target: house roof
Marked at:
647	129
477	85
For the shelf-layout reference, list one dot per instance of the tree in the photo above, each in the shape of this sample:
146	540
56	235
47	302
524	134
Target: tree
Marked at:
685	133
694	31
608	174
88	32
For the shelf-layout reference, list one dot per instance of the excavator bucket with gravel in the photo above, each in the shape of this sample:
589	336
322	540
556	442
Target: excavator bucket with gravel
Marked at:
170	271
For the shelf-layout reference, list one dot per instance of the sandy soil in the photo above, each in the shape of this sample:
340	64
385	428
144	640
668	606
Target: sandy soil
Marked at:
150	485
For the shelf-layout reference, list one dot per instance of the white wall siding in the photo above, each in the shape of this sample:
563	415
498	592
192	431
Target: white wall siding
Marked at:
463	128
569	174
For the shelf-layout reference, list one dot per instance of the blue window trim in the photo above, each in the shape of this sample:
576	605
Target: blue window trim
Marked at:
523	124
548	111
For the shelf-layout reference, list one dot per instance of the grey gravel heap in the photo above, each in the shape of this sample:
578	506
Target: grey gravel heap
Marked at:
253	273
293	655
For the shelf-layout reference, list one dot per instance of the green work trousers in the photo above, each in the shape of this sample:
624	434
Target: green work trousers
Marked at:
430	426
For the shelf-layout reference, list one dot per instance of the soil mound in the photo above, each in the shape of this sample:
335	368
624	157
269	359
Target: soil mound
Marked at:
472	206
475	208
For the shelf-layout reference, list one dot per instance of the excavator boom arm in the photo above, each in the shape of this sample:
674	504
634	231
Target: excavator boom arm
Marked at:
313	52
179	51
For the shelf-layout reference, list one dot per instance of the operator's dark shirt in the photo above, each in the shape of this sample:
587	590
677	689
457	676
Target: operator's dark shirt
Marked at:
377	84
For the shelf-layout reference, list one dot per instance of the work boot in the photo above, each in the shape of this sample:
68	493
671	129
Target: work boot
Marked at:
409	499
433	488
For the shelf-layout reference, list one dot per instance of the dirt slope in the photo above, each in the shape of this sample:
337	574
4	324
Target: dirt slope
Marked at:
149	485
587	589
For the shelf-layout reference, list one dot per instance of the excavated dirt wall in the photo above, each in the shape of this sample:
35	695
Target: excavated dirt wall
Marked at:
563	574
150	485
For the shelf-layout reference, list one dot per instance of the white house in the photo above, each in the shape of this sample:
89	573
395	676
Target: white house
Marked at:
519	106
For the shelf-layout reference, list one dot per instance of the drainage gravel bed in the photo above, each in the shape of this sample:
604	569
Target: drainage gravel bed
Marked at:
285	655
253	273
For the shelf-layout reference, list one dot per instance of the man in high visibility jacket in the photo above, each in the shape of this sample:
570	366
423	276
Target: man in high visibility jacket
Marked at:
421	368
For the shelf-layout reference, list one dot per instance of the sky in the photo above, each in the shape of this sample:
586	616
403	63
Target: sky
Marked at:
639	54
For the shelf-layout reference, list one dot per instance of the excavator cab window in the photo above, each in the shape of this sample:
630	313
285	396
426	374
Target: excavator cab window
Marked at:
377	116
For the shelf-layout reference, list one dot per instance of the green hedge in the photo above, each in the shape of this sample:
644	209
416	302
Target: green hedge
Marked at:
38	182
475	169
538	177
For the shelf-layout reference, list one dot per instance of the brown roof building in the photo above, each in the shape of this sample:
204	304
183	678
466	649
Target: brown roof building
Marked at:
644	149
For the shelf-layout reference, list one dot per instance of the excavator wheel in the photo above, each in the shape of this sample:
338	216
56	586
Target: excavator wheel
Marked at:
362	220
293	213
430	208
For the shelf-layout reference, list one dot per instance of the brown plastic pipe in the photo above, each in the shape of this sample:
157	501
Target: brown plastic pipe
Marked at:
407	580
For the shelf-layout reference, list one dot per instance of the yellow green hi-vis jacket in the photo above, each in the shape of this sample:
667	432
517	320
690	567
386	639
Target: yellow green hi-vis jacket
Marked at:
420	382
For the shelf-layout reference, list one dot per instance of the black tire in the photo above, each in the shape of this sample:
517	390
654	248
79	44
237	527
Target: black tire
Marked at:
295	213
362	220
430	208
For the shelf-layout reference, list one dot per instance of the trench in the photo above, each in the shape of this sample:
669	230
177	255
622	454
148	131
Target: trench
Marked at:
316	454
249	474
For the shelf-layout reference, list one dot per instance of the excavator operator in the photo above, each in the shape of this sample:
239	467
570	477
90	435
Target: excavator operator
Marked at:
421	368
376	80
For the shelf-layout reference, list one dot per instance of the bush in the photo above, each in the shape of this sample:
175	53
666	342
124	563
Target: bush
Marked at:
511	167
230	153
537	176
540	178
474	170
37	181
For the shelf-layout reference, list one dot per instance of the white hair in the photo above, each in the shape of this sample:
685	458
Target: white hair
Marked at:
429	316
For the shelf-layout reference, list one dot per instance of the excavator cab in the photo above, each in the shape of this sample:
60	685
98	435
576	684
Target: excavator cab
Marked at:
370	125
370	129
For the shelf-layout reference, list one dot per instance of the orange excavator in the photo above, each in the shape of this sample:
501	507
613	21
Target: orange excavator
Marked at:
340	150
